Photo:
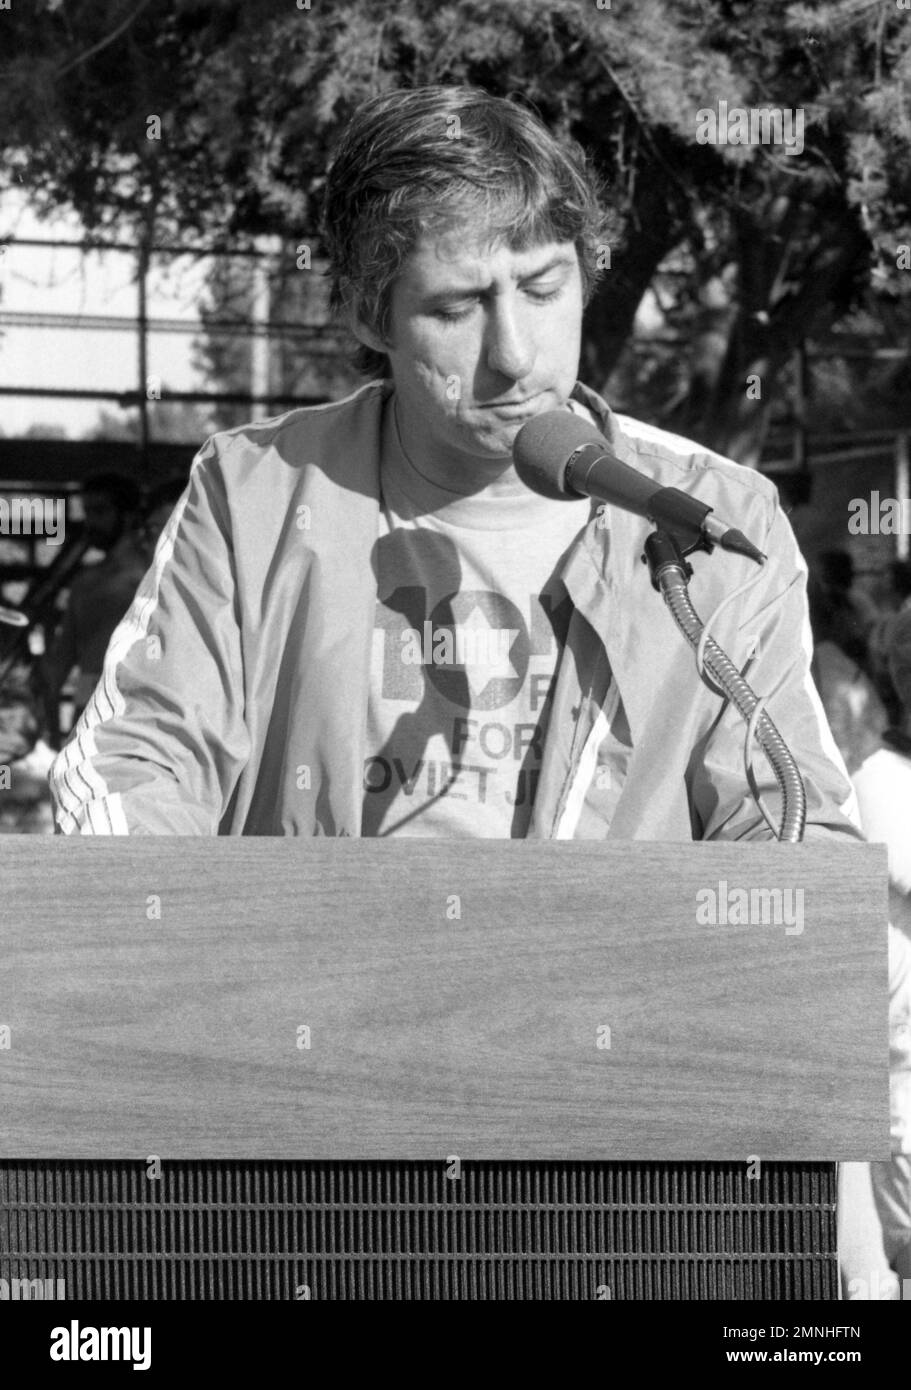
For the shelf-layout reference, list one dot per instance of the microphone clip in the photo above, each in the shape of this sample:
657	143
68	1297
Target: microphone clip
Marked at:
664	553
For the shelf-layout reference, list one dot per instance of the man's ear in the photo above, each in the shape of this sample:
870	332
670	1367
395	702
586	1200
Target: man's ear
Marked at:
364	333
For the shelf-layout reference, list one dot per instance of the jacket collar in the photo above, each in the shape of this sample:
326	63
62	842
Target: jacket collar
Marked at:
611	587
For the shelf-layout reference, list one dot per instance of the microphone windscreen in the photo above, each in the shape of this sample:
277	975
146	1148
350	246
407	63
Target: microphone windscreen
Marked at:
544	446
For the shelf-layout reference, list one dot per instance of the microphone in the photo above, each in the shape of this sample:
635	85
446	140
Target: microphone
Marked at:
562	456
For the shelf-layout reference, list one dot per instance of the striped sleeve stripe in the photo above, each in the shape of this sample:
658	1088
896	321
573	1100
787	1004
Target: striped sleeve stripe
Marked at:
98	810
585	772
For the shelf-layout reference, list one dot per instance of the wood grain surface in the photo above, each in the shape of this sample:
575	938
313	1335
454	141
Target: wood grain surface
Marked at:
453	991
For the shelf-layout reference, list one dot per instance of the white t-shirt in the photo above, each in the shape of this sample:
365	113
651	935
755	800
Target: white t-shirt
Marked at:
470	625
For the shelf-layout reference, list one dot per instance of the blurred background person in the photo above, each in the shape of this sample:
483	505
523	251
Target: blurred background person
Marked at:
835	569
883	782
840	668
893	597
875	1216
25	806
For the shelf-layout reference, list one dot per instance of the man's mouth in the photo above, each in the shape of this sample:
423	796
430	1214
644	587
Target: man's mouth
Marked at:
527	406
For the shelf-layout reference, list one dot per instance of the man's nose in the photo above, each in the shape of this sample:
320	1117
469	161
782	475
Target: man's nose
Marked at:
509	351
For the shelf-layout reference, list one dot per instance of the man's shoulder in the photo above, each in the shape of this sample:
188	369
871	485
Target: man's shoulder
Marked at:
302	427
684	456
683	463
676	461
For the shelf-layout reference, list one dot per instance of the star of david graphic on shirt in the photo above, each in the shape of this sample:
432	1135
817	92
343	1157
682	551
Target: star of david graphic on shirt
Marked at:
480	648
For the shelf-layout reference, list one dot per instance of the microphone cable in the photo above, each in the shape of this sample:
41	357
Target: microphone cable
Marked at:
713	662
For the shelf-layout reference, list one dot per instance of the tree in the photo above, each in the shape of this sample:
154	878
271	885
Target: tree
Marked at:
308	356
213	120
49	431
170	422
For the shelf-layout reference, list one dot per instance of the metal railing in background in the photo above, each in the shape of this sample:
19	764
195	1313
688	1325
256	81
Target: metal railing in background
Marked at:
321	338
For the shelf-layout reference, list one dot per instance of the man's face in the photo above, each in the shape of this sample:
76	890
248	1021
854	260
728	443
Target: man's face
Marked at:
482	337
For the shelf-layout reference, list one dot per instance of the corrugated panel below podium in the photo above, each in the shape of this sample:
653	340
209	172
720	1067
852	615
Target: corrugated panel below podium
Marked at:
243	1230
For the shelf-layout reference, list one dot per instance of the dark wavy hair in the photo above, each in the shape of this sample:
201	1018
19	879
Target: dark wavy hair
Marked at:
432	158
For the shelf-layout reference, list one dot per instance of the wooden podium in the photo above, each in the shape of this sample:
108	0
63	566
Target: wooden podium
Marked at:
247	1007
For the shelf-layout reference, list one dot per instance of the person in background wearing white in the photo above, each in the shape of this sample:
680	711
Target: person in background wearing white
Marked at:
875	1235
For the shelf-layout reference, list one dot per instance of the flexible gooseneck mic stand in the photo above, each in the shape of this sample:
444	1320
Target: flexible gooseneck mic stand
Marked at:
671	573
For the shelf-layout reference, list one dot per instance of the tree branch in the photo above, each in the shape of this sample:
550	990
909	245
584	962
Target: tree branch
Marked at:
106	41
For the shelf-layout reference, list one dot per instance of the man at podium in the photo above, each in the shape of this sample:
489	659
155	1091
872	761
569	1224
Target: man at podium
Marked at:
360	621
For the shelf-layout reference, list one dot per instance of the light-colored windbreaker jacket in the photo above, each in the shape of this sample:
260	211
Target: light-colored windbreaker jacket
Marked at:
234	694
